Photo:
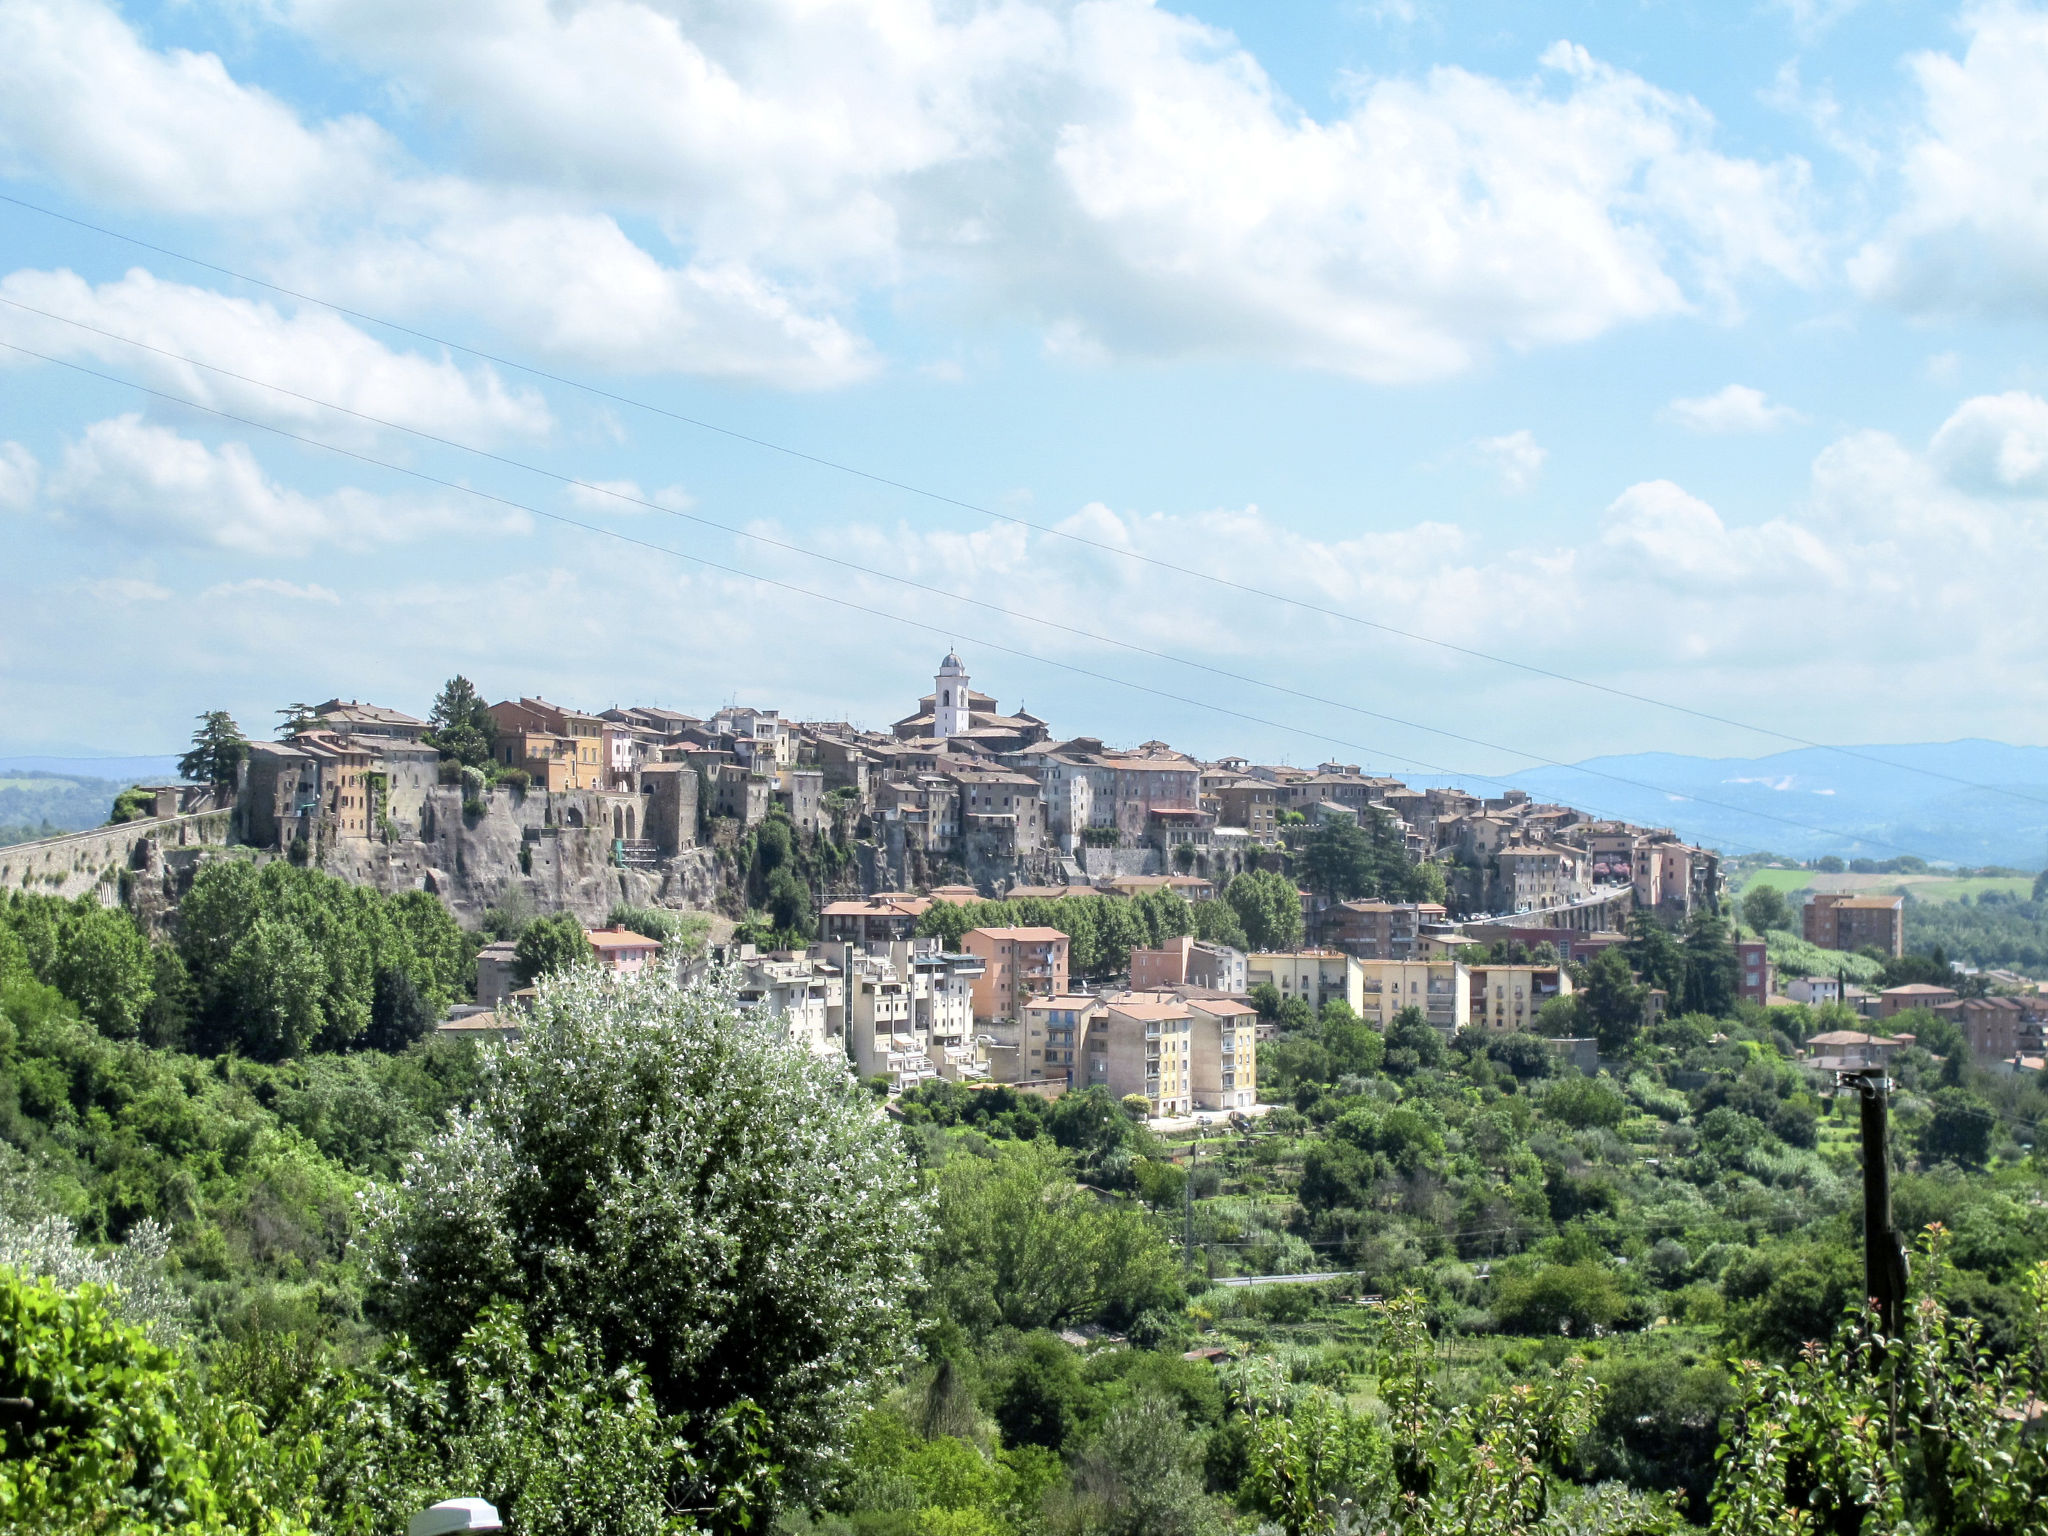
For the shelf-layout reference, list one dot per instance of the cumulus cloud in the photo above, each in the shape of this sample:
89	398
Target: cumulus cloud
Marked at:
1516	457
1997	444
1972	231
85	98
151	485
125	591
1127	179
1732	408
314	353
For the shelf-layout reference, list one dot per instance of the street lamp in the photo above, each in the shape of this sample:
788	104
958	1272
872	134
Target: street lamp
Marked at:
454	1515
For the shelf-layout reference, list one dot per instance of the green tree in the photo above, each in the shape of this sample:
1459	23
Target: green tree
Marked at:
692	1194
218	750
1655	955
460	724
103	964
1143	1474
1217	922
551	946
1019	1242
1312	1459
1711	969
131	805
1765	909
294	718
1338	861
1959	1129
789	904
113	1435
1353	1045
1611	1002
1268	907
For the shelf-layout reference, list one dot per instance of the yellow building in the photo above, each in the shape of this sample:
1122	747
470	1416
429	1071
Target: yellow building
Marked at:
559	748
1442	989
1225	1055
1316	976
1143	1044
1509	996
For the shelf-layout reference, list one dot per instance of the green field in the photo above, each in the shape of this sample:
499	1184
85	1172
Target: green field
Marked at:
1920	887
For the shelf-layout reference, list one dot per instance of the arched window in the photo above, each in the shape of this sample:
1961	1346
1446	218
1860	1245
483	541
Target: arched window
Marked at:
946	698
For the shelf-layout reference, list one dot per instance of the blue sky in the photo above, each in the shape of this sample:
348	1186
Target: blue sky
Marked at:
1693	350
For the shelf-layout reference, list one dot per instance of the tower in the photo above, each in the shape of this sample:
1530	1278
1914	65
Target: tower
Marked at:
950	712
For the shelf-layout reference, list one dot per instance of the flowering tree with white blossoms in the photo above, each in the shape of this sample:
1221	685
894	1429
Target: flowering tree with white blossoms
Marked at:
670	1178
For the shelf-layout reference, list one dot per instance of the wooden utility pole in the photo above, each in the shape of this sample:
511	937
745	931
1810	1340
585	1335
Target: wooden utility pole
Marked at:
1884	1255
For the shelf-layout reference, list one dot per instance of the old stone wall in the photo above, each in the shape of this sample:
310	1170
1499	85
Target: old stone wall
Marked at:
108	862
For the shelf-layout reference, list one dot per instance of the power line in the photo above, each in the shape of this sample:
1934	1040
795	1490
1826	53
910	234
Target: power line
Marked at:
1046	529
889	576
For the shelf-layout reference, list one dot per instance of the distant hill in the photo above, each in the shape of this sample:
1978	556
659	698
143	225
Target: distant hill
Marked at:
1851	806
42	796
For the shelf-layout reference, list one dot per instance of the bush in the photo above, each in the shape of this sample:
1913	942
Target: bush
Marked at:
690	1193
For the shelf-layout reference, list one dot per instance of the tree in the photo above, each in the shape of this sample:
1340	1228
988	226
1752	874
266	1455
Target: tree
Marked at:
398	1015
1611	1002
1143	1475
1217	922
1711	970
1765	909
1338	861
218	751
1654	955
1959	1130
551	946
1019	1242
1413	1042
1268	907
114	1436
294	718
103	964
460	724
789	904
689	1192
1353	1045
1312	1458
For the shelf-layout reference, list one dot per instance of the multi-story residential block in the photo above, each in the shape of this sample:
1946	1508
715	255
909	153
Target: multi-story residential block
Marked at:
351	717
920	811
887	917
1019	964
1753	980
759	736
1185	962
1991	1025
1837	920
1379	930
795	991
1675	878
1144	1044
1532	878
801	794
1506	997
1316	976
1003	808
1240	800
1442	989
739	792
343	787
1916	994
558	748
1224	1053
1052	1030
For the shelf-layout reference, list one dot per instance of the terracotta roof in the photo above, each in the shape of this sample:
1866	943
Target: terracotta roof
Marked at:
1914	989
1147	1008
1020	935
619	939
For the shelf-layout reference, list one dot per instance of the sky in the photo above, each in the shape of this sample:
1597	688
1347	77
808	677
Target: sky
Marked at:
1308	381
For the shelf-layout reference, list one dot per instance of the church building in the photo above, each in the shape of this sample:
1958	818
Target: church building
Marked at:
954	713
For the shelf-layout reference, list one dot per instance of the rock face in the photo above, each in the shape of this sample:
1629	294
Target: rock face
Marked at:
538	851
125	864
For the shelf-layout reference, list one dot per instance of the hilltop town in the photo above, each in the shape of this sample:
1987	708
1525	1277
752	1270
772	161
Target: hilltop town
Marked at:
870	931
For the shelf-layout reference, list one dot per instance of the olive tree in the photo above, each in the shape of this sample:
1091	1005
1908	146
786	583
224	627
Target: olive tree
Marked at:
673	1180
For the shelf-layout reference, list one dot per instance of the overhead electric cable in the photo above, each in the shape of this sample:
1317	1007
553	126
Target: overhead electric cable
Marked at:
949	631
1046	529
1014	614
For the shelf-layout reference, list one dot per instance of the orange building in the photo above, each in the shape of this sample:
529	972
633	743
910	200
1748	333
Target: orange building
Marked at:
1017	965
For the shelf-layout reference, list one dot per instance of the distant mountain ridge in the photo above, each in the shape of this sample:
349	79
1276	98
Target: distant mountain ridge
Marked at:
1873	804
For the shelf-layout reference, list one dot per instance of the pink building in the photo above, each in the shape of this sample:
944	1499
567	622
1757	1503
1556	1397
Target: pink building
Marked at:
621	951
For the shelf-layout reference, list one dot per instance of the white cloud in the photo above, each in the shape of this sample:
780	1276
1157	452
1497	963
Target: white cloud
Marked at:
84	97
1515	456
125	591
1996	444
151	485
1126	179
1732	408
1973	229
314	353
271	586
18	475
626	497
